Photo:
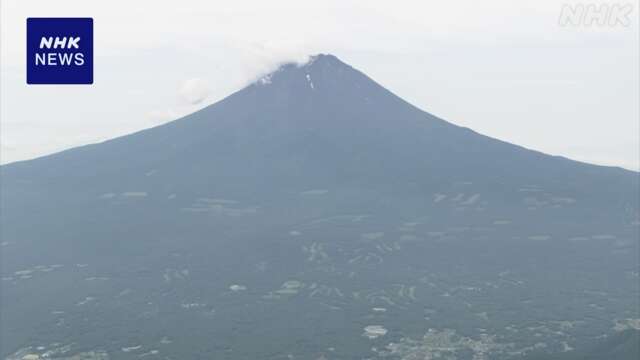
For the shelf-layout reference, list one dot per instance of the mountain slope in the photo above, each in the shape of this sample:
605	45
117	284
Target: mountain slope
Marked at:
274	221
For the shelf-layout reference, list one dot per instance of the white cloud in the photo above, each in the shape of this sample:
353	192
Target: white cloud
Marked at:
193	91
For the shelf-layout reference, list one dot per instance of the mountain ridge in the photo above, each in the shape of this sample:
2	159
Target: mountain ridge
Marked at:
323	60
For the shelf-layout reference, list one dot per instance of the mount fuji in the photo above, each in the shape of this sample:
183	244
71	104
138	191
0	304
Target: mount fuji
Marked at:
314	215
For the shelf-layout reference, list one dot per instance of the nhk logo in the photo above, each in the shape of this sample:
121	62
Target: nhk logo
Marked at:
594	14
58	58
59	51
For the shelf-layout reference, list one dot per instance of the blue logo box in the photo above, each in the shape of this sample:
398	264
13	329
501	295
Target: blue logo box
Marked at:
59	51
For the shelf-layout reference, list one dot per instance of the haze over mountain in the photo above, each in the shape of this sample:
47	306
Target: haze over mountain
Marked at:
314	214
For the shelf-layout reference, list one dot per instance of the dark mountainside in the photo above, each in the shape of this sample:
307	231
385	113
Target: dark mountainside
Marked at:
285	219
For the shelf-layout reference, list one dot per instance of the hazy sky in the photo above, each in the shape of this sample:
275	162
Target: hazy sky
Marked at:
505	68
